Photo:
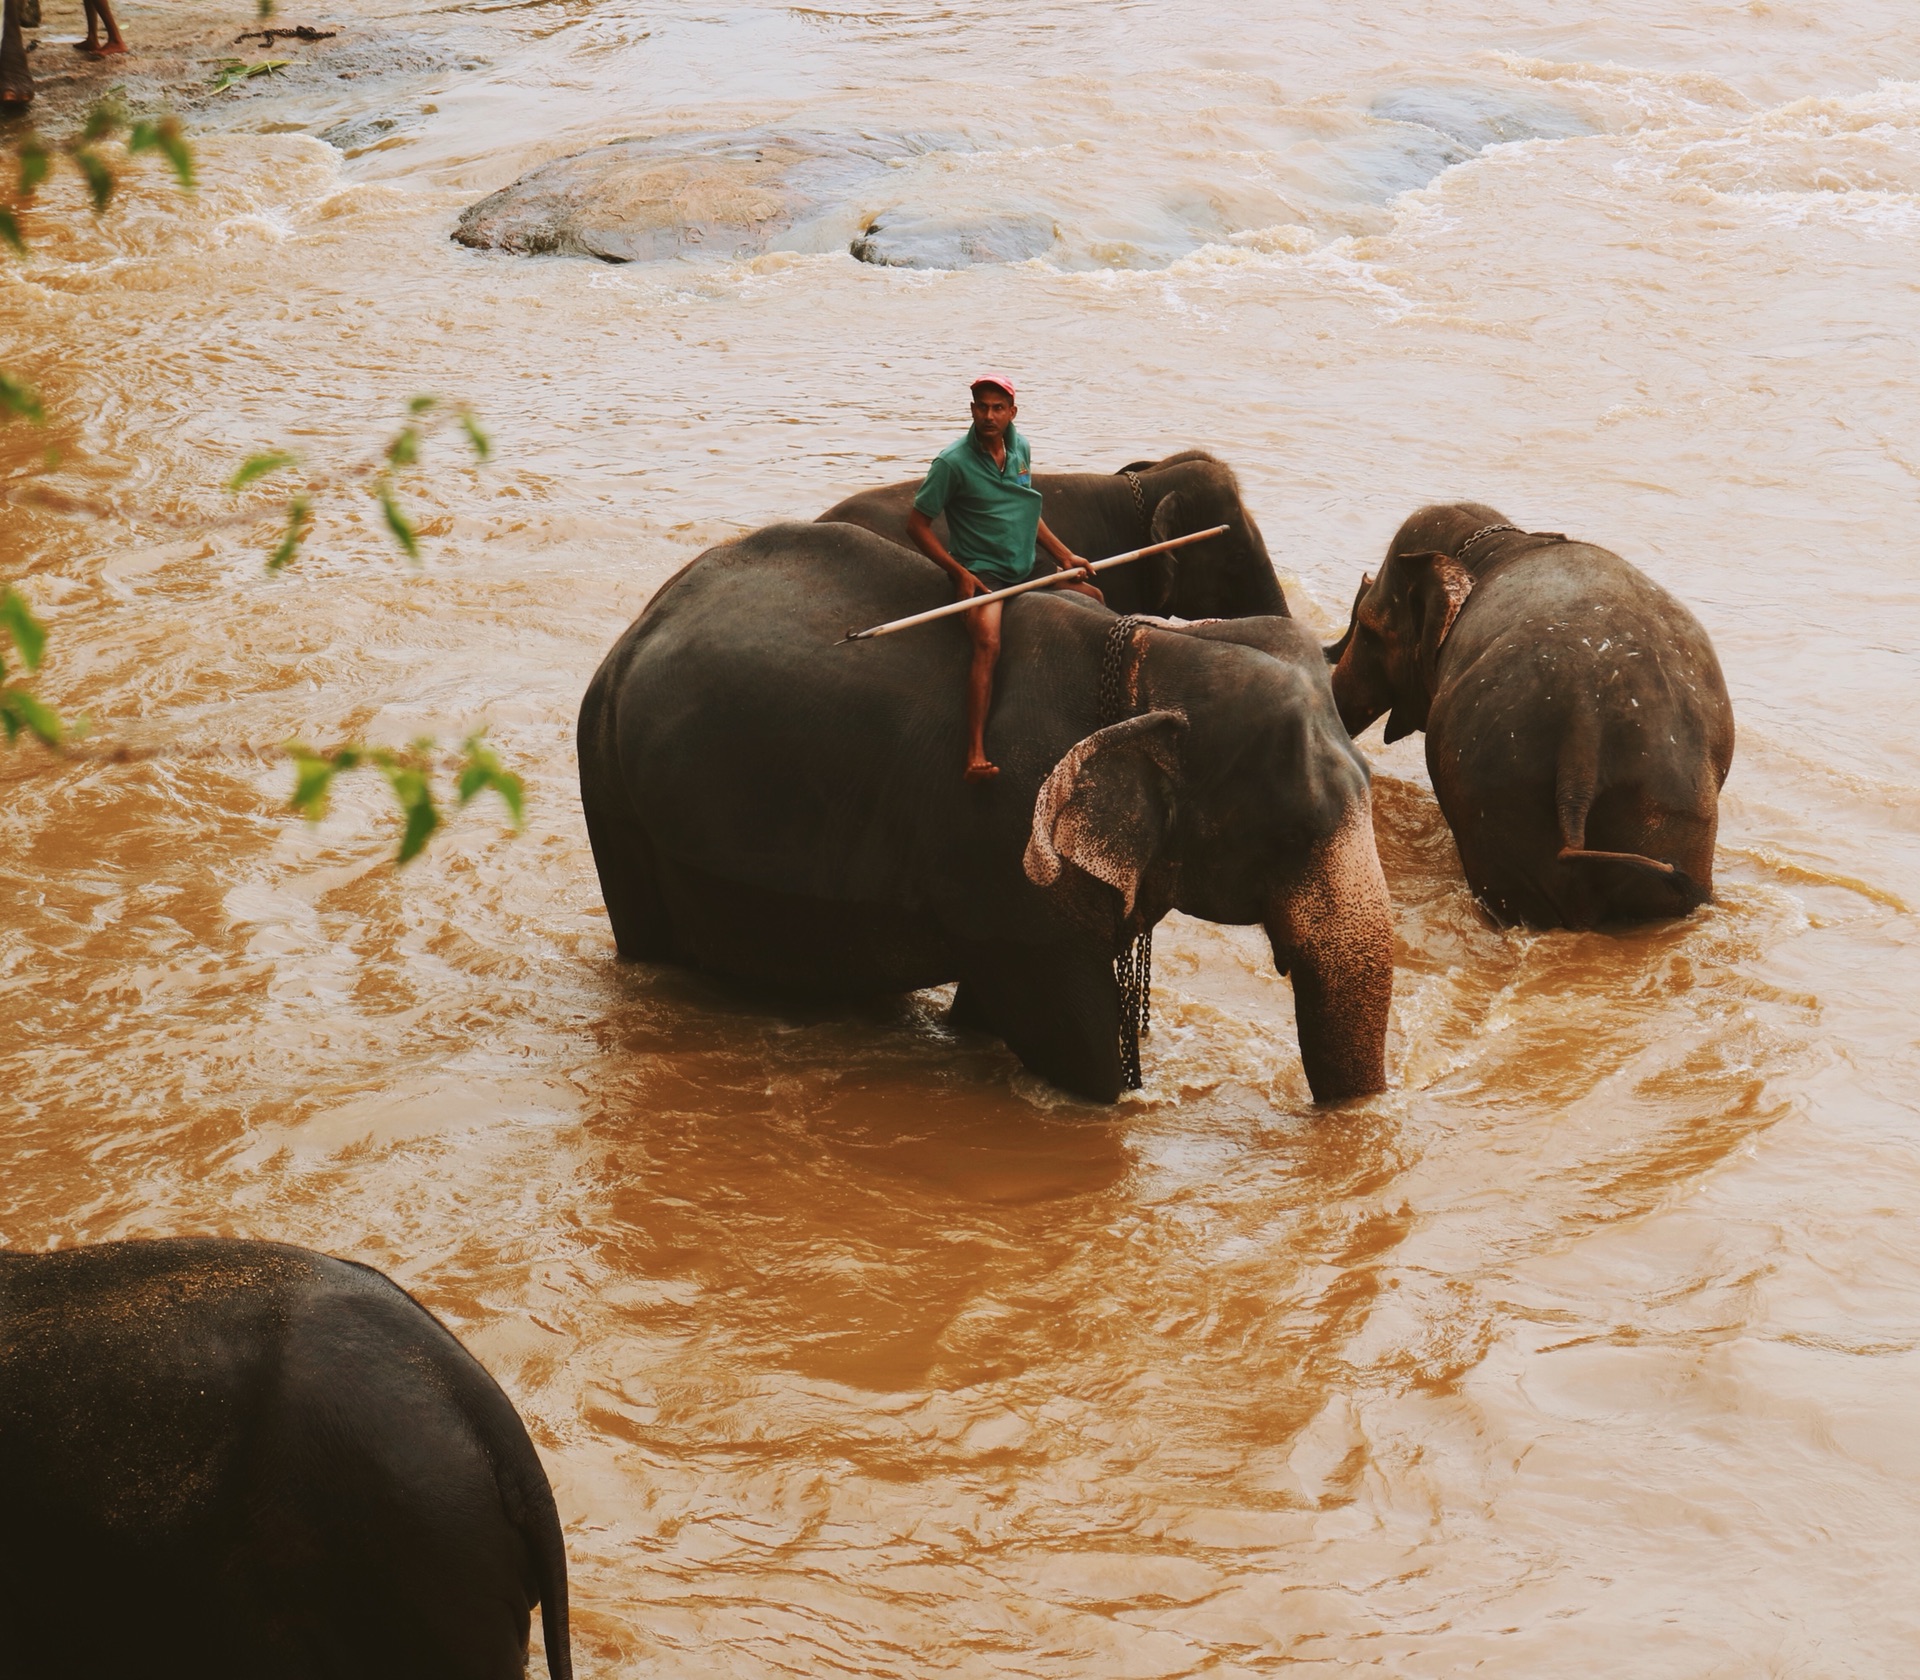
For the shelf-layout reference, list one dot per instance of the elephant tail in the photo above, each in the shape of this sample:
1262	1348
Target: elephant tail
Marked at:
526	1496
555	1630
1575	784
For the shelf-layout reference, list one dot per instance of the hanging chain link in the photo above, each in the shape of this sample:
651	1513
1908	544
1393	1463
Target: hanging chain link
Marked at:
1487	531
1133	968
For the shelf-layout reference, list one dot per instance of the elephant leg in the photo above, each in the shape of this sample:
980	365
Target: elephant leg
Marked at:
1057	1008
629	882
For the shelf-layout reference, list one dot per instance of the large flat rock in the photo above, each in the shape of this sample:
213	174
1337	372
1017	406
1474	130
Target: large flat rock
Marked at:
699	195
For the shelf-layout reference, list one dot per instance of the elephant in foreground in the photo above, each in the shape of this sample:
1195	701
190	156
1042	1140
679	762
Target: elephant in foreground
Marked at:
770	805
230	1460
1097	514
1578	727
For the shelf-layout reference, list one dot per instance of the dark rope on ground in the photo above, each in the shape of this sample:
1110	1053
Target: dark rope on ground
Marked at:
300	32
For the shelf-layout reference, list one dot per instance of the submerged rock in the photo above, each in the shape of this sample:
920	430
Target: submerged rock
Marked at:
714	196
1475	118
901	239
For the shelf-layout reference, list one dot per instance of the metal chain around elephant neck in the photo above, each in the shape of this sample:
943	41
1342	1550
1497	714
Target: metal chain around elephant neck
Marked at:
1488	531
1133	968
1139	498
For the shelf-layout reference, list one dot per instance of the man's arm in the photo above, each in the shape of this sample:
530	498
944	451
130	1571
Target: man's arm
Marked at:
920	528
1064	557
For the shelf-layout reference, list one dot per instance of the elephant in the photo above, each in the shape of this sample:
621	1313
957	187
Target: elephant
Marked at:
1578	727
1098	514
227	1459
770	805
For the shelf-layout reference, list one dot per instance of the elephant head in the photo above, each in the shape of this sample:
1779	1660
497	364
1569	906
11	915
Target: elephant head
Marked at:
1388	661
1262	816
1229	576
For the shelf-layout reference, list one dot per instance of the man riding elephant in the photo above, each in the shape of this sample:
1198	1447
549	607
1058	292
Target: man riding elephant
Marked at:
769	802
1098	514
983	483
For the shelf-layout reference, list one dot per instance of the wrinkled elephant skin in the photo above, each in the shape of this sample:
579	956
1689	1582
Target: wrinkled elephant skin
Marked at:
768	805
1098	514
1578	727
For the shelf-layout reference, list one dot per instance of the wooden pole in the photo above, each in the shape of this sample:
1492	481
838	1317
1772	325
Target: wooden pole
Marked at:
1046	582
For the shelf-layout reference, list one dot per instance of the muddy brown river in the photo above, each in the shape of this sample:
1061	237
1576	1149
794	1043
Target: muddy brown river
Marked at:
1591	1348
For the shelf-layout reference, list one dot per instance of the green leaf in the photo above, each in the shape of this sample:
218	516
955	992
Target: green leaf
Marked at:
10	231
482	444
36	164
299	517
482	770
238	70
403	532
313	776
20	399
266	8
165	137
99	177
405	448
420	405
257	467
29	635
107	117
415	793
20	711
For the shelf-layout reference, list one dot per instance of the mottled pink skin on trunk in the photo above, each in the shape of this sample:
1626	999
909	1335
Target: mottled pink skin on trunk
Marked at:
1334	934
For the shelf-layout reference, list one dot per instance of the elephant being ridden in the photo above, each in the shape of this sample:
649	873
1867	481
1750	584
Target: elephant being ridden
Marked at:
1578	727
1097	514
228	1460
769	805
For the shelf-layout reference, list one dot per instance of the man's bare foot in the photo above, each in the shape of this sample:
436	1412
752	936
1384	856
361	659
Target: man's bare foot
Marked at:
97	50
982	771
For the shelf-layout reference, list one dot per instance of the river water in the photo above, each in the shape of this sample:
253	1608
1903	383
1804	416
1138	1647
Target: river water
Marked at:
1590	1348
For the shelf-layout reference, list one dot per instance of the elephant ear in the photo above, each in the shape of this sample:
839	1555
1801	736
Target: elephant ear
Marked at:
1167	515
1108	806
1438	588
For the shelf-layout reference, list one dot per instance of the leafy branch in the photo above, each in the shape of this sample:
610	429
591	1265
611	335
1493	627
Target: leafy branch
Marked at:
34	159
409	773
423	413
22	712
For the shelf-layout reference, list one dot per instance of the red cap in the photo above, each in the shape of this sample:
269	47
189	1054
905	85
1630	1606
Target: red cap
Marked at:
999	379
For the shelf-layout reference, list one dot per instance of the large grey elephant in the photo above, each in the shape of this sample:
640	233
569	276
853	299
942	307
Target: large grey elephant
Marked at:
769	803
1578	727
1098	514
230	1460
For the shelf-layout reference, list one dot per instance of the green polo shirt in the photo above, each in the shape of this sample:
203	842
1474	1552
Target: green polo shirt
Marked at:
992	512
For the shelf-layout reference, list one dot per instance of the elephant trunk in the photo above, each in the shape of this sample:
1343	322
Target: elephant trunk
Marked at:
1333	653
1332	930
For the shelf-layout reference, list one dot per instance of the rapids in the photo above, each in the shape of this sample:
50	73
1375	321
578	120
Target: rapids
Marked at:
1590	1348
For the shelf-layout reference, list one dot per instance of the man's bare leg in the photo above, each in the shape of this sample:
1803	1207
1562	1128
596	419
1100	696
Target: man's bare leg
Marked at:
983	625
99	13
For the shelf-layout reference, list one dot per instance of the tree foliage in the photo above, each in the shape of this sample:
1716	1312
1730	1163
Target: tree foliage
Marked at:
409	772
